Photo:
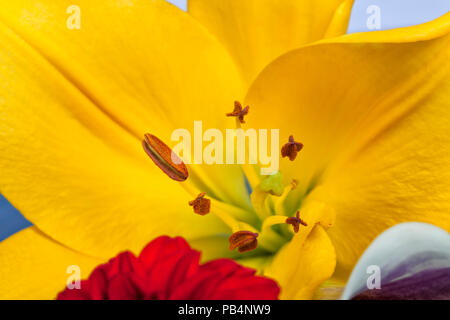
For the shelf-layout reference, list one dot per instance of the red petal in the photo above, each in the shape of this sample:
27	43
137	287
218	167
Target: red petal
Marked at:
125	262
238	282
98	283
122	288
75	294
160	248
169	269
186	267
226	267
169	272
125	265
195	288
225	279
247	288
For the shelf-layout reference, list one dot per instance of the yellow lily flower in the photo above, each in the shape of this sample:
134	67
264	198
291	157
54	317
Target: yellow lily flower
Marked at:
371	110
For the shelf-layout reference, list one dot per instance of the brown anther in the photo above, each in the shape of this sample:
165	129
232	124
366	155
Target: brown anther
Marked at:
244	241
296	222
201	204
165	158
294	184
238	111
291	149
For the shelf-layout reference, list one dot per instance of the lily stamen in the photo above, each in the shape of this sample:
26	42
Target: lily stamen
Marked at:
244	241
201	205
165	158
279	204
291	148
238	111
296	222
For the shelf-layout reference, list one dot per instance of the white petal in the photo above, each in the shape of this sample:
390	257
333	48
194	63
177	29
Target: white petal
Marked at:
401	251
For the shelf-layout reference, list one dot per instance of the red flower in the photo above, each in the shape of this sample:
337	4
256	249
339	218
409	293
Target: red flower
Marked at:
168	268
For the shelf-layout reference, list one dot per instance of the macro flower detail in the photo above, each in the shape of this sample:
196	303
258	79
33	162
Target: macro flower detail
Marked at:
364	104
291	149
296	222
244	241
201	204
168	269
165	158
239	112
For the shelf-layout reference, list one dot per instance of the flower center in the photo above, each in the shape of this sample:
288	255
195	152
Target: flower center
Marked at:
268	225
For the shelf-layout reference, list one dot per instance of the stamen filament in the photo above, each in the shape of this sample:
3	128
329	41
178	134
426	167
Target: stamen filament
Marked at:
279	205
271	240
272	221
226	218
258	198
235	212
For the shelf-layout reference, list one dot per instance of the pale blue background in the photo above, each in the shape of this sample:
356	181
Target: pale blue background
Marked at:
397	13
180	3
394	14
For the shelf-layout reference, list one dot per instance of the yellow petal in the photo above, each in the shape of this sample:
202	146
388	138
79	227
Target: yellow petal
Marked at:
302	265
145	64
257	31
402	174
67	164
372	112
33	266
339	23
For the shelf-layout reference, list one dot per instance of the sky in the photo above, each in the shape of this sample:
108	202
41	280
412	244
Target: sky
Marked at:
391	13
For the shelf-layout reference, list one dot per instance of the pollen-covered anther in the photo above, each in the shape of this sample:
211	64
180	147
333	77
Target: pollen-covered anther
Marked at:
201	205
291	149
165	158
244	241
294	184
296	222
238	111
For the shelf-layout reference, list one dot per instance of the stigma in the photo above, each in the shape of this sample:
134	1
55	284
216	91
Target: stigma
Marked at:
291	148
244	241
239	112
201	205
296	222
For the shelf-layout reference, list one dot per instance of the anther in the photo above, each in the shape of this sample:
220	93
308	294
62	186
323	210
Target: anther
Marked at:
165	158
296	222
294	184
244	241
291	149
238	111
201	205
